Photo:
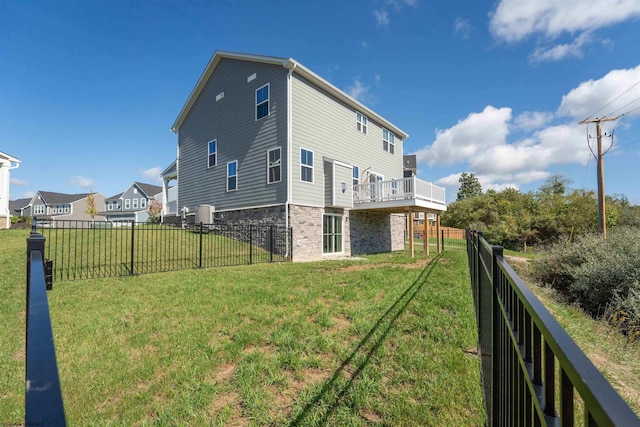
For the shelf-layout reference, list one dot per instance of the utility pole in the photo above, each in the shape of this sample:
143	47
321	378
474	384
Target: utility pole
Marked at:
602	222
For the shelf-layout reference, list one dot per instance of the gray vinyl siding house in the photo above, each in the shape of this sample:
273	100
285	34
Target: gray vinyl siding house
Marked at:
132	204
265	140
52	208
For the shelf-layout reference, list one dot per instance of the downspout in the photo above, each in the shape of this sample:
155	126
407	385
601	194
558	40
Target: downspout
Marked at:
290	65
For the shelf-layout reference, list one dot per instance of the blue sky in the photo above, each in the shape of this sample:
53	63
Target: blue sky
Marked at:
89	90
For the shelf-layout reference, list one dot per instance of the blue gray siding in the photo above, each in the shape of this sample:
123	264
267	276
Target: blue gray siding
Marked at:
327	126
231	121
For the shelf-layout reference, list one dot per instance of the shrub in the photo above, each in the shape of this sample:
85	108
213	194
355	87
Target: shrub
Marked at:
602	276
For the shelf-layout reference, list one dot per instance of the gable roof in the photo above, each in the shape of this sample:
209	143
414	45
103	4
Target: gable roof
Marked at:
295	67
16	205
149	189
51	198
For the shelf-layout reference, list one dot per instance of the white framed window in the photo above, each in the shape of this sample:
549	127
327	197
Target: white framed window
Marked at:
212	151
109	206
143	203
356	175
54	210
262	102
331	233
361	122
232	176
306	165
388	141
38	210
127	203
274	165
135	203
118	205
67	208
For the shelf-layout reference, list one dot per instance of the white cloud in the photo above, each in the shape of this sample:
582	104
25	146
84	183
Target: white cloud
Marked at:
530	120
462	28
562	51
466	139
358	90
515	20
480	141
28	194
19	182
153	174
81	181
382	18
589	96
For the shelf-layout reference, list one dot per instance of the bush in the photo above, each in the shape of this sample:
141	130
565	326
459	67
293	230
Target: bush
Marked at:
602	276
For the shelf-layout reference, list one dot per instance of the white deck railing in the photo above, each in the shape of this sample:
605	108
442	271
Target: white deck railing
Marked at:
398	189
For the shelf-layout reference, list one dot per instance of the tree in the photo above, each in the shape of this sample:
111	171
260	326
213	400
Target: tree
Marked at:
154	210
91	206
469	186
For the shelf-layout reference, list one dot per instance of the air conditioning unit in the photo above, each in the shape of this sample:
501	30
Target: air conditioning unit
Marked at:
204	214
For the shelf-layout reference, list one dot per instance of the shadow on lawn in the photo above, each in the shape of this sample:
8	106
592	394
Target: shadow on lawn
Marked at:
325	402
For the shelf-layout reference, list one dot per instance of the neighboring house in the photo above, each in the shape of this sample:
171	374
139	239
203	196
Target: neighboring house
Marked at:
265	140
132	204
7	164
52	207
17	206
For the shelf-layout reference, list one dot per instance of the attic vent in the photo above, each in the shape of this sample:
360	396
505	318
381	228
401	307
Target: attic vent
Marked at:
219	96
251	77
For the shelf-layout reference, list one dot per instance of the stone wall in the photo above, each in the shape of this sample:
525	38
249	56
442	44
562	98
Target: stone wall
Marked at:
306	222
375	232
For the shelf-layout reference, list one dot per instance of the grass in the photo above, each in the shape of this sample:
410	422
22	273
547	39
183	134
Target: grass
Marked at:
609	351
389	340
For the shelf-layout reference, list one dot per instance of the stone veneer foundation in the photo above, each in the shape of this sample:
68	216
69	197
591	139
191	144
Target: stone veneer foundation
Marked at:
374	232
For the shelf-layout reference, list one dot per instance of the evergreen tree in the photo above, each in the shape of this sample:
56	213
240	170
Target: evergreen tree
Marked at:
469	186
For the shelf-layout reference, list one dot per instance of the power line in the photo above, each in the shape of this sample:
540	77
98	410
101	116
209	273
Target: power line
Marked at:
630	111
624	106
610	102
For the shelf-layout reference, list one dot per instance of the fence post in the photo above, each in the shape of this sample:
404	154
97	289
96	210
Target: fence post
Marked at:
200	256
271	243
442	239
35	242
250	243
133	242
496	351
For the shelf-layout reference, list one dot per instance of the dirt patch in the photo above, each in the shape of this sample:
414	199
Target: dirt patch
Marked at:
19	355
419	263
222	373
371	417
516	259
340	323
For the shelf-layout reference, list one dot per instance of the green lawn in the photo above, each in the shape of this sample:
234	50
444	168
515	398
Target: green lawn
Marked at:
385	341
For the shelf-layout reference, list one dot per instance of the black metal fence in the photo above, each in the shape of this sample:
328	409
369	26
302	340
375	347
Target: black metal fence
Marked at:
533	372
92	249
43	395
